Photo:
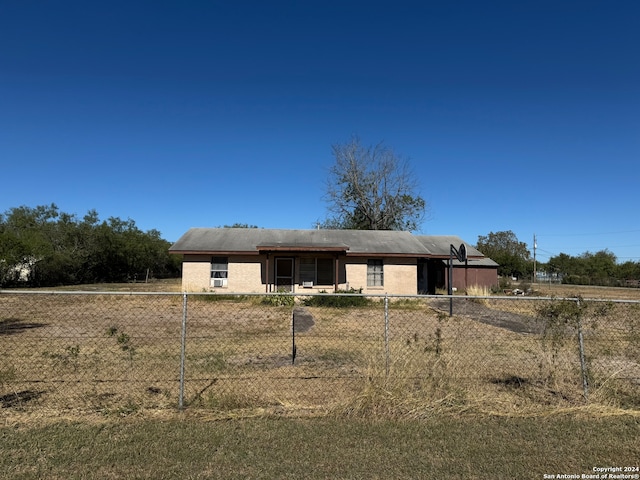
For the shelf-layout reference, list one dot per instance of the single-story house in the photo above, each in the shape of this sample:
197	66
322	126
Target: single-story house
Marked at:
255	260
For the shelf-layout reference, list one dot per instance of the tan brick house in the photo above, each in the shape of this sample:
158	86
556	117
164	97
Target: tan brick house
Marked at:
252	260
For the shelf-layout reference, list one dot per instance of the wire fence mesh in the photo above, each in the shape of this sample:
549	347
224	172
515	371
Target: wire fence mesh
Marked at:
119	353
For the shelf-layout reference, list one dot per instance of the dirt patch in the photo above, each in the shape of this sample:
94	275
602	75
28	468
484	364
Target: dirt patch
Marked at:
302	320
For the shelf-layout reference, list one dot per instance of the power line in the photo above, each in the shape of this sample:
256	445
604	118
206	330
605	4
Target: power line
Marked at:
586	234
598	249
541	252
590	248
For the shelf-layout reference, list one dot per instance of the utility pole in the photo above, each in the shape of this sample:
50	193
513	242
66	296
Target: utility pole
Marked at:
535	246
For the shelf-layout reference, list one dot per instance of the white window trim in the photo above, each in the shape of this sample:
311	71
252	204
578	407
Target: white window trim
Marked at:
219	277
373	275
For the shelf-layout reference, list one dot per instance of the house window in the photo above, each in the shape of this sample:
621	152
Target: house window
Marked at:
375	274
219	271
324	271
316	271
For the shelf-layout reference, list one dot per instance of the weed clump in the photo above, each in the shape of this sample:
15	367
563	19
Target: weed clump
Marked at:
123	340
479	291
280	299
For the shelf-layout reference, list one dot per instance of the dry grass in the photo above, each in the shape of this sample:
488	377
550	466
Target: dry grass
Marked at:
478	291
120	355
586	291
154	285
444	397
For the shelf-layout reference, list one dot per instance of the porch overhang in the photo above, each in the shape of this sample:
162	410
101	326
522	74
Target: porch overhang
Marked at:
286	249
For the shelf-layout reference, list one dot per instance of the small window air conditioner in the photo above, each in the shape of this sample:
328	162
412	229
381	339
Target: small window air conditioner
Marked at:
307	284
219	282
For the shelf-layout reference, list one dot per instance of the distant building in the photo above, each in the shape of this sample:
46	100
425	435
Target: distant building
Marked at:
17	272
546	277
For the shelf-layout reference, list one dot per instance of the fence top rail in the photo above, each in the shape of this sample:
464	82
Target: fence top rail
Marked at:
82	292
299	294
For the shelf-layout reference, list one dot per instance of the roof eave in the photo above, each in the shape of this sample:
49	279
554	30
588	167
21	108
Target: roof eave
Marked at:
445	257
383	254
212	252
299	248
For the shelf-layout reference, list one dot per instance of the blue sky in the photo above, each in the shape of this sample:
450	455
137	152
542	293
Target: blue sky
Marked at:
521	116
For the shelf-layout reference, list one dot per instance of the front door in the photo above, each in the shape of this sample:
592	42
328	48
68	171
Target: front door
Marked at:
284	274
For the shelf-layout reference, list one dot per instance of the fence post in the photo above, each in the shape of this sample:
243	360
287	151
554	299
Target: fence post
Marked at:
183	348
293	338
386	333
583	363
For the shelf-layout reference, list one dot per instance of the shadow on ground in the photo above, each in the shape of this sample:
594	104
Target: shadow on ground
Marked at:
11	326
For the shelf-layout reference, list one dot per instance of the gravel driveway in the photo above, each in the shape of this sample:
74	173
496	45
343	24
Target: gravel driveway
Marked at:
476	311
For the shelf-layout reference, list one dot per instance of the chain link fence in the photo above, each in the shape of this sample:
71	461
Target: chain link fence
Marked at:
119	353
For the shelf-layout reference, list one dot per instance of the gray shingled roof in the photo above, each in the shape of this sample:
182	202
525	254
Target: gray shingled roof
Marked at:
353	242
440	245
251	240
475	262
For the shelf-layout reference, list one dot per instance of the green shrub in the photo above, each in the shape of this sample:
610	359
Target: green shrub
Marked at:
279	300
341	299
219	297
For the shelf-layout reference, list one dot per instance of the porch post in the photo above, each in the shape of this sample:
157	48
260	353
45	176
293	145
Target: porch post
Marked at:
336	278
266	279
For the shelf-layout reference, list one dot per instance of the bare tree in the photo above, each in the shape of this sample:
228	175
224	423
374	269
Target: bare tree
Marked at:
371	188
